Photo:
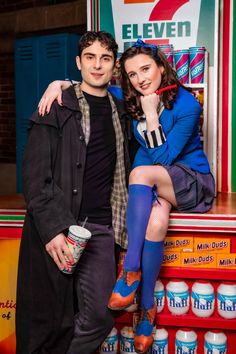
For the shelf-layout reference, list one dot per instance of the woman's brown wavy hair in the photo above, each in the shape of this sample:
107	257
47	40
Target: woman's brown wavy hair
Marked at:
169	77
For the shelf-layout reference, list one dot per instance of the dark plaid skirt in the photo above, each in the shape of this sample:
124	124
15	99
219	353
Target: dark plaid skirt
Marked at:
194	191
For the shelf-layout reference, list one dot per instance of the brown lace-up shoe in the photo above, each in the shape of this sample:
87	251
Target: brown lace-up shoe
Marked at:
124	290
144	338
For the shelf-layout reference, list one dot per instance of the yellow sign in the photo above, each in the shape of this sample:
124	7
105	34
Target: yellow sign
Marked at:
9	250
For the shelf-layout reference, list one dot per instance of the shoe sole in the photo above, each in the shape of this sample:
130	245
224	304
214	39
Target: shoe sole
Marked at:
119	309
139	352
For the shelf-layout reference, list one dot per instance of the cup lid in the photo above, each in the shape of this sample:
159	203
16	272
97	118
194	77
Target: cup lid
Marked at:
80	231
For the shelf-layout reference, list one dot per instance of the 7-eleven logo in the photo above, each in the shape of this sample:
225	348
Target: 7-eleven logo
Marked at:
164	9
156	21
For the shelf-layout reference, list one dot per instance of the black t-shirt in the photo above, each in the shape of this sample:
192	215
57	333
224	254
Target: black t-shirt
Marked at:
100	163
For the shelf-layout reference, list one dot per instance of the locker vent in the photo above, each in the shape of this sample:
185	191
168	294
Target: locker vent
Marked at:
53	50
25	52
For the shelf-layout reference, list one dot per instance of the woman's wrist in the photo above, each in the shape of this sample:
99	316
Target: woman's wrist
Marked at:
152	121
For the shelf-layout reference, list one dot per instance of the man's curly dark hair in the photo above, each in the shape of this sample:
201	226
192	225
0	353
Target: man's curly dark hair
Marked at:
105	38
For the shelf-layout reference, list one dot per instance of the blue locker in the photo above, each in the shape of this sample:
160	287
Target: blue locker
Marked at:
38	61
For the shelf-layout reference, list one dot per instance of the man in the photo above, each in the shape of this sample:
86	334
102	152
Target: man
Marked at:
74	168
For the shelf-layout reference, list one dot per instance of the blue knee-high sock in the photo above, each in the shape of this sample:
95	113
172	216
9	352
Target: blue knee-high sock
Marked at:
152	258
138	212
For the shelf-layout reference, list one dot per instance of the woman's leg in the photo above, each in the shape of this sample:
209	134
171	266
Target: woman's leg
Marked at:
137	216
142	180
153	250
152	258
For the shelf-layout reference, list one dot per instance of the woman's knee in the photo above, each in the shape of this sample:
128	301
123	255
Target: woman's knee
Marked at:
157	229
139	176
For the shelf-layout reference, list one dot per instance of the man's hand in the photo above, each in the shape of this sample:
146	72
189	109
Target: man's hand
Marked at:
58	249
52	93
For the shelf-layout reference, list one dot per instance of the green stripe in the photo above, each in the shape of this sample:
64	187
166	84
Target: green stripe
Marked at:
12	217
106	17
206	28
233	131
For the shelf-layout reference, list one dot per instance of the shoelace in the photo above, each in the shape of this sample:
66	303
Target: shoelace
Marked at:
123	275
126	277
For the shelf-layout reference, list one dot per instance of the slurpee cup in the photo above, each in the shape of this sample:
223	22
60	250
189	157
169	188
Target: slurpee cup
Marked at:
168	50
77	239
181	59
196	64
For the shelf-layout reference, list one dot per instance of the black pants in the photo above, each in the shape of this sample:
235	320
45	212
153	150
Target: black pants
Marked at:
46	320
94	281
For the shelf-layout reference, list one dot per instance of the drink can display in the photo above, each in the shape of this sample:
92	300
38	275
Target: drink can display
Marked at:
226	300
202	298
127	341
185	341
160	342
76	241
168	50
159	295
196	48
110	344
215	342
181	60
196	64
177	294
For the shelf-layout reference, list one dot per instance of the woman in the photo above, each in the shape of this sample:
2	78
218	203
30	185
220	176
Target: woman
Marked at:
170	162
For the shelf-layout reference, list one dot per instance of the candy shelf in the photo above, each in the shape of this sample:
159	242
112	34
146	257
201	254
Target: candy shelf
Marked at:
198	273
172	323
200	325
165	318
190	320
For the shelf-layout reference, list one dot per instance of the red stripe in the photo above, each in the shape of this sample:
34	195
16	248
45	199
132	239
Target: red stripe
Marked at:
11	224
201	228
165	9
202	217
10	233
225	95
157	41
10	212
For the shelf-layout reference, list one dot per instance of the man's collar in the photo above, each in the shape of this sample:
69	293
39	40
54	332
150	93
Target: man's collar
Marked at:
69	98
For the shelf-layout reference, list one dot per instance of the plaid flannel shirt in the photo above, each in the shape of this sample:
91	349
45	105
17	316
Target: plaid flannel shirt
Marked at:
119	194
